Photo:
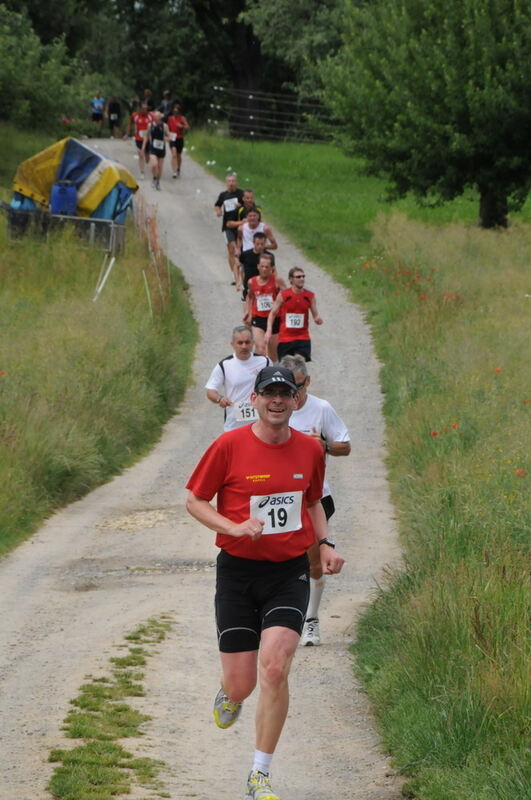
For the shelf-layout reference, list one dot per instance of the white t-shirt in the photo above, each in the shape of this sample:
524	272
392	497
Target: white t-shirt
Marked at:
237	384
319	414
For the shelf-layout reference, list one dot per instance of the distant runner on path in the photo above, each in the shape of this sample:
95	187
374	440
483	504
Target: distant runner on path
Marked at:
268	479
139	122
155	146
177	125
316	417
232	380
226	207
294	305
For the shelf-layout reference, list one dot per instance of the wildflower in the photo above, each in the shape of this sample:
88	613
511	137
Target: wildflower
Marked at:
3	372
435	433
455	426
498	370
521	473
422	296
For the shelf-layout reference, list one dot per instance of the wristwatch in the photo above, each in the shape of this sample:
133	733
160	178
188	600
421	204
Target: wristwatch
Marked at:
327	541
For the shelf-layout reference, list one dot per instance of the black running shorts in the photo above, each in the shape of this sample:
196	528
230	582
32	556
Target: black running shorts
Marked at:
177	144
328	506
301	347
254	595
261	322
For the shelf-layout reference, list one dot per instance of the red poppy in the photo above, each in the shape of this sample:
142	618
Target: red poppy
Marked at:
435	433
3	372
455	426
498	370
422	296
521	473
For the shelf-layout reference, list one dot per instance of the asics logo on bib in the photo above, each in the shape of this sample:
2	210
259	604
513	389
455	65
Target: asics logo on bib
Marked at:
285	500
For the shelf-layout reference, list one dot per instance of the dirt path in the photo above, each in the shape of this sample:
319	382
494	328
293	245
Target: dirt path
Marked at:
127	551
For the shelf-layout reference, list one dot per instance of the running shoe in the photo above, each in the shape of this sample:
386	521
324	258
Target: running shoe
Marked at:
174	175
259	787
310	633
157	184
225	711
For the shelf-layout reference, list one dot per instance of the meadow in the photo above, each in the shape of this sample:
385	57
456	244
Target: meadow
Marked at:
443	649
85	386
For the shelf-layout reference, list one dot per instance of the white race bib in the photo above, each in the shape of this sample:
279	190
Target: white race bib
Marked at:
294	320
279	512
158	144
113	116
244	412
173	137
264	302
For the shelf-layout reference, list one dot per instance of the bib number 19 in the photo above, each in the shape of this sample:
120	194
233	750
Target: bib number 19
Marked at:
278	517
279	512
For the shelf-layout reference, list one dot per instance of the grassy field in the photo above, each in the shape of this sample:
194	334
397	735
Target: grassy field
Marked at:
442	650
85	386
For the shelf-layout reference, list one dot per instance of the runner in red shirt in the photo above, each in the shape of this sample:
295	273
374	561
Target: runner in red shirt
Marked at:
294	306
177	124
140	121
268	481
262	290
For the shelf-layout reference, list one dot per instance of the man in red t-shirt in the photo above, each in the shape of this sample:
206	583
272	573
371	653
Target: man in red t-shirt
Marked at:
268	479
140	122
294	306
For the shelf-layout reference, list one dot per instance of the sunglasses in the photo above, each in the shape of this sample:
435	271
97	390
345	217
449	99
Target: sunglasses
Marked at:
272	392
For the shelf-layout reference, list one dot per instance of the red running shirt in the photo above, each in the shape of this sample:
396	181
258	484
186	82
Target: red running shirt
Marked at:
294	315
279	479
176	125
141	123
263	296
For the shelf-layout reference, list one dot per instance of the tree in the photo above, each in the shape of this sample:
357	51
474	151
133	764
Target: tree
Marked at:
437	97
300	33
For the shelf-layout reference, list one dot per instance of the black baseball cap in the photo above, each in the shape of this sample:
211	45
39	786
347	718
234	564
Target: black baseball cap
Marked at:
270	375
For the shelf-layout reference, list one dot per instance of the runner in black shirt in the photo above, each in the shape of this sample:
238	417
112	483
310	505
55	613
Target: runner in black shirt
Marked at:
226	206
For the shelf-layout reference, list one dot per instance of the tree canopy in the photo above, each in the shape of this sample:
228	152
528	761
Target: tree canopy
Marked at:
437	97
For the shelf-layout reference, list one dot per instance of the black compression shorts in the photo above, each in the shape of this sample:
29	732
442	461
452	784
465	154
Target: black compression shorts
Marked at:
261	322
254	595
328	506
301	347
177	144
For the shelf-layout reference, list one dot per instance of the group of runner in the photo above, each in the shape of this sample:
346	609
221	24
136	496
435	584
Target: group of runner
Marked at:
267	472
152	131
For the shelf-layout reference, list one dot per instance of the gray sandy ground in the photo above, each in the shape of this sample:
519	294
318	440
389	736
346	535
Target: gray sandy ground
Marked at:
128	550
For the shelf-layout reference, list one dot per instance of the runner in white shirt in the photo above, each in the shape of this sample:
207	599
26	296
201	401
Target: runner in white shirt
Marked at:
317	418
231	382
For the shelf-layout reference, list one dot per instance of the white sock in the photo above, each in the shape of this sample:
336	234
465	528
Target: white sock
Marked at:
316	592
262	761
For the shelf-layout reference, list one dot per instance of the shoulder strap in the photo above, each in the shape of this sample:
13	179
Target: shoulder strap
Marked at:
220	363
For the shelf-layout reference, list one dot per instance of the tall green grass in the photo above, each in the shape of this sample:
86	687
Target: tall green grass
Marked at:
442	650
85	386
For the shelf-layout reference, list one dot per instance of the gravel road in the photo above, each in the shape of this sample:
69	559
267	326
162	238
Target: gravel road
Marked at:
101	566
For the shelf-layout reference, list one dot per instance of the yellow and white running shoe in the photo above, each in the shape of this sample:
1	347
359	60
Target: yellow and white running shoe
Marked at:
259	787
225	711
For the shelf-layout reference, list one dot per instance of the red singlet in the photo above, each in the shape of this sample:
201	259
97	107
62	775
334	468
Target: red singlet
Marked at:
141	123
176	125
294	315
281	477
263	295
